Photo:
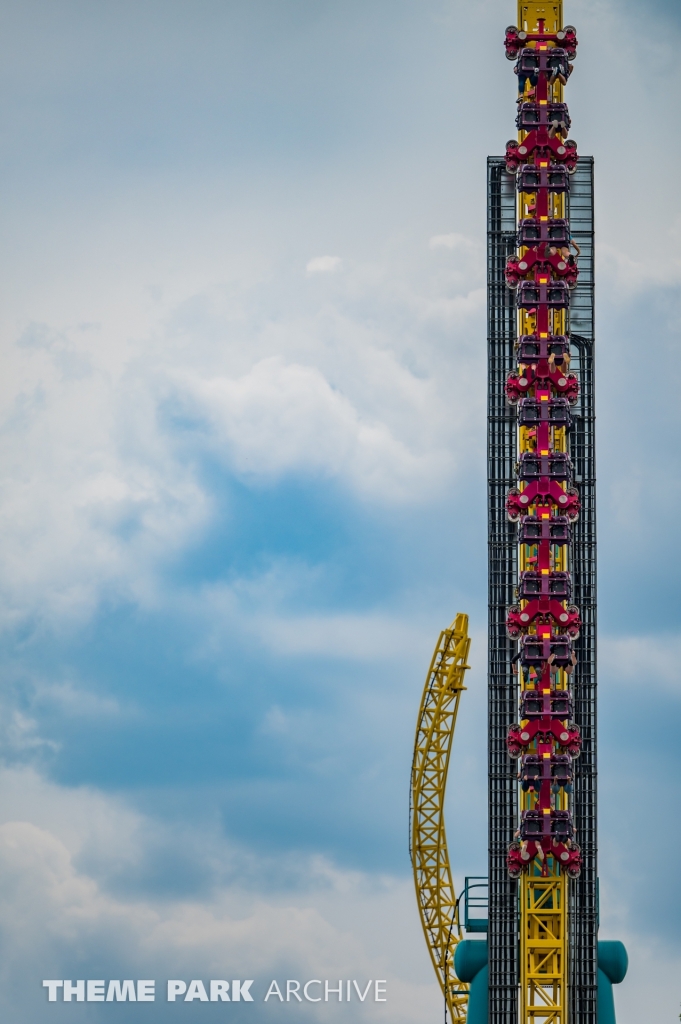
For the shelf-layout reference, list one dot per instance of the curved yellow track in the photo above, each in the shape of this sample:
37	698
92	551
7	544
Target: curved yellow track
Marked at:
432	874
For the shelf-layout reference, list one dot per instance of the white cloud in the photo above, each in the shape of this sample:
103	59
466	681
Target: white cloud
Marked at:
375	390
281	418
98	490
77	512
323	265
331	924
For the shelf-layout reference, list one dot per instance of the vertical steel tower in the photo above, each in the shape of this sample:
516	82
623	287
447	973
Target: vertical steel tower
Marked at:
542	935
542	962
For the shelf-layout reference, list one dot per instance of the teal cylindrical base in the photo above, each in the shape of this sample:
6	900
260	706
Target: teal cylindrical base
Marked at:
612	968
470	964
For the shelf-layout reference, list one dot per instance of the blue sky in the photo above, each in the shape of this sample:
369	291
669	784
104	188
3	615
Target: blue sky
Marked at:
242	318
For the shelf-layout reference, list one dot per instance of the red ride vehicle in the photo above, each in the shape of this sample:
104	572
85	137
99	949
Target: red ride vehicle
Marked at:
541	834
567	735
551	612
544	491
516	39
521	854
552	262
519	384
537	145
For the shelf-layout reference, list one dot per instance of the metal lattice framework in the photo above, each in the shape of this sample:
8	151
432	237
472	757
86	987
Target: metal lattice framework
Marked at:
544	948
502	935
435	893
584	890
504	924
542	939
542	912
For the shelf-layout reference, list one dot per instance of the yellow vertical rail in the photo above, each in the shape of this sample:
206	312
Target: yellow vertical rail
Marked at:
530	11
543	948
543	917
438	907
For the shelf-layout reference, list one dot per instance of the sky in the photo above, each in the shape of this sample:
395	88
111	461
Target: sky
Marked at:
242	487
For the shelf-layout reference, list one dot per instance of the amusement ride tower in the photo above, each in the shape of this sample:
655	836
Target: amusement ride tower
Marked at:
542	962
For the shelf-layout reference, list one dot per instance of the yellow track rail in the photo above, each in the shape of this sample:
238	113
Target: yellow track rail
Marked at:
432	873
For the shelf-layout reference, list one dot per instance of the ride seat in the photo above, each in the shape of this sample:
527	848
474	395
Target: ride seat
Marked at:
558	410
531	349
555	178
556	529
555	466
530	61
534	652
532	232
533	115
532	825
561	826
555	294
557	60
532	584
532	704
561	769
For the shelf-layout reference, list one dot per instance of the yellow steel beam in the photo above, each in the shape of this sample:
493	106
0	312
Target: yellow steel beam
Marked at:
530	11
430	860
543	948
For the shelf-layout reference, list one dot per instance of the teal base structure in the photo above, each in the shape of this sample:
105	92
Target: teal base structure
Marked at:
470	964
612	968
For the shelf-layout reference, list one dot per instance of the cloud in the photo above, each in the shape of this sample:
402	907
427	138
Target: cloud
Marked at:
57	919
94	512
323	265
372	391
286	418
228	491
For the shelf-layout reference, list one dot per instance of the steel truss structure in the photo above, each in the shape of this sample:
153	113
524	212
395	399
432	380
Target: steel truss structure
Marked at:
542	939
503	580
542	942
437	901
584	890
502	934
